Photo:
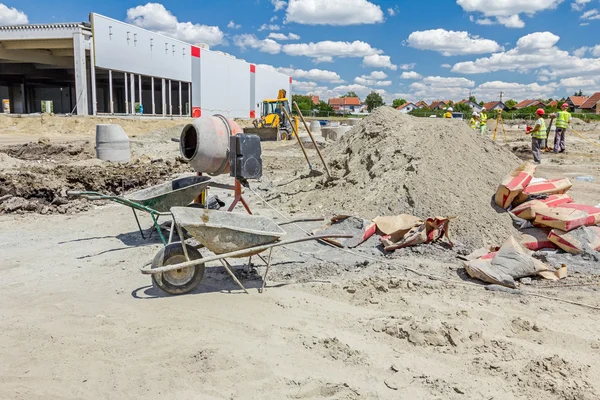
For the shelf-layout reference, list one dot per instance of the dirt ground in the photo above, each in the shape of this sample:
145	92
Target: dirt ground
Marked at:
80	321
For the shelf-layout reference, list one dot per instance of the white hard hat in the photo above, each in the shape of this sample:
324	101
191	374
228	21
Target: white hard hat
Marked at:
450	109
475	114
483	109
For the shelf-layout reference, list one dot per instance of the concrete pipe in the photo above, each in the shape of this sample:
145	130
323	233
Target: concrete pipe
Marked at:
112	143
205	143
315	127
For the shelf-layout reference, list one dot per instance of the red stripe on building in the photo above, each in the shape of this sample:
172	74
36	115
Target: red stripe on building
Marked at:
252	68
252	114
290	79
196	112
195	51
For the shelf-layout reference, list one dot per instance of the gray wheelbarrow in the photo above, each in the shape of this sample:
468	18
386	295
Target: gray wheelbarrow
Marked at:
178	268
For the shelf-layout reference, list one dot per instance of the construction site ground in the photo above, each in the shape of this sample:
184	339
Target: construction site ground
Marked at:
79	320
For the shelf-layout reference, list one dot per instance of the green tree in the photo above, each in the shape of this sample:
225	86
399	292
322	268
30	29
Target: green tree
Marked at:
463	108
510	103
373	101
305	103
324	109
580	93
473	99
349	94
481	103
398	102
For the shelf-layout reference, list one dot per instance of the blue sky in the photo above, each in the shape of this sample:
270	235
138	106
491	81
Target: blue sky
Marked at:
439	49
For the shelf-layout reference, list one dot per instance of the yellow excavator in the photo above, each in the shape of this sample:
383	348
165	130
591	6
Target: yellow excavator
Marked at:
272	116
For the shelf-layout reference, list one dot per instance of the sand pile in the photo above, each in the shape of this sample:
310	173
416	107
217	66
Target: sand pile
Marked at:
392	163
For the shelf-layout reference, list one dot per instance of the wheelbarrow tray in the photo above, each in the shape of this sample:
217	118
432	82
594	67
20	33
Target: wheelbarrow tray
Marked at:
224	232
178	192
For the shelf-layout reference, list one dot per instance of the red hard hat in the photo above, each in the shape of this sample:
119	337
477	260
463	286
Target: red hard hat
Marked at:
565	105
540	111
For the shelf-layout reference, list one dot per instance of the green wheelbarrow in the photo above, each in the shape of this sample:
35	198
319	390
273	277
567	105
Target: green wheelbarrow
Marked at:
156	200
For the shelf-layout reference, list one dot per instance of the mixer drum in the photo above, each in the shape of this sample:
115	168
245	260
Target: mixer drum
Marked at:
205	143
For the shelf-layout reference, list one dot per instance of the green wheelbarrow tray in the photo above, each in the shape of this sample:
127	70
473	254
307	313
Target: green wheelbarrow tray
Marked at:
156	200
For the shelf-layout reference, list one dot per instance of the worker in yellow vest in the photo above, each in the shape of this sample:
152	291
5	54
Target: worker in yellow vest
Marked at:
448	112
563	119
538	135
483	121
473	121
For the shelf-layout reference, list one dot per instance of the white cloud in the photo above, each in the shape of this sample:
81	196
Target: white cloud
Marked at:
442	82
392	11
513	21
282	36
325	51
333	12
301	86
533	52
376	75
274	18
591	14
313	74
543	78
269	27
367	80
513	90
233	25
323	59
378	61
580	52
595	50
438	88
451	43
155	17
360	90
407	67
12	16
482	21
584	24
250	41
579	5
446	66
410	75
278	4
506	12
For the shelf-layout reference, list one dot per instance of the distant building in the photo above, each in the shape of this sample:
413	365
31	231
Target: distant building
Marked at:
407	107
495	106
315	100
421	104
529	103
575	102
474	106
592	103
346	104
439	105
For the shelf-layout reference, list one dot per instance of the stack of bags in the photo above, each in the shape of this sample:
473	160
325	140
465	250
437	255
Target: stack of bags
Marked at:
554	219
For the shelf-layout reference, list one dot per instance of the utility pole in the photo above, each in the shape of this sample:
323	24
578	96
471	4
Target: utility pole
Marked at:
501	96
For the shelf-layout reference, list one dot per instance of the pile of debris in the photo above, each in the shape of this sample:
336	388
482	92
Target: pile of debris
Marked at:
391	164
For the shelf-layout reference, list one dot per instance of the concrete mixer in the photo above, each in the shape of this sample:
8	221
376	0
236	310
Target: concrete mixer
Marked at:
216	145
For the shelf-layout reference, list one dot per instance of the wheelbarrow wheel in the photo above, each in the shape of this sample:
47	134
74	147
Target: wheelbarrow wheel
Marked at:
179	281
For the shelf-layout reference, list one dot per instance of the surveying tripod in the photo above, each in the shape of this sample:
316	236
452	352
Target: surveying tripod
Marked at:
499	121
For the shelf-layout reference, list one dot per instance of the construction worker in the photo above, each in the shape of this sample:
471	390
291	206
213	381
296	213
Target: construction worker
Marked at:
448	112
538	135
482	118
563	119
473	121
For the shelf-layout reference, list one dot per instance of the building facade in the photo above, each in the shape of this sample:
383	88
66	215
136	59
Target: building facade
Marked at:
111	67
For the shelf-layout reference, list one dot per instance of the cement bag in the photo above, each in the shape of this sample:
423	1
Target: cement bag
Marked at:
555	186
397	226
580	240
426	231
536	239
511	262
567	218
527	209
513	184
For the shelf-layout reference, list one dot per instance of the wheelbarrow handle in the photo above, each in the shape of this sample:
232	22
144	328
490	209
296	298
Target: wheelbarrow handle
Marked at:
87	195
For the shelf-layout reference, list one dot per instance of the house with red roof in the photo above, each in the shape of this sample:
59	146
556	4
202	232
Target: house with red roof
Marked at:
474	106
421	104
592	103
439	105
315	100
346	104
495	105
529	103
553	103
575	102
407	107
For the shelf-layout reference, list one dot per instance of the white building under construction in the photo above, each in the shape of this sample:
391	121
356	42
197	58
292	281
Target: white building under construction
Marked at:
111	67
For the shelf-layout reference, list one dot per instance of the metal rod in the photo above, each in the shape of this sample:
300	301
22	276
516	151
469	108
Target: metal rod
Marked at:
126	95
138	224
264	280
110	92
238	253
140	91
227	267
171	231
313	139
297	136
180	108
153	99
182	240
